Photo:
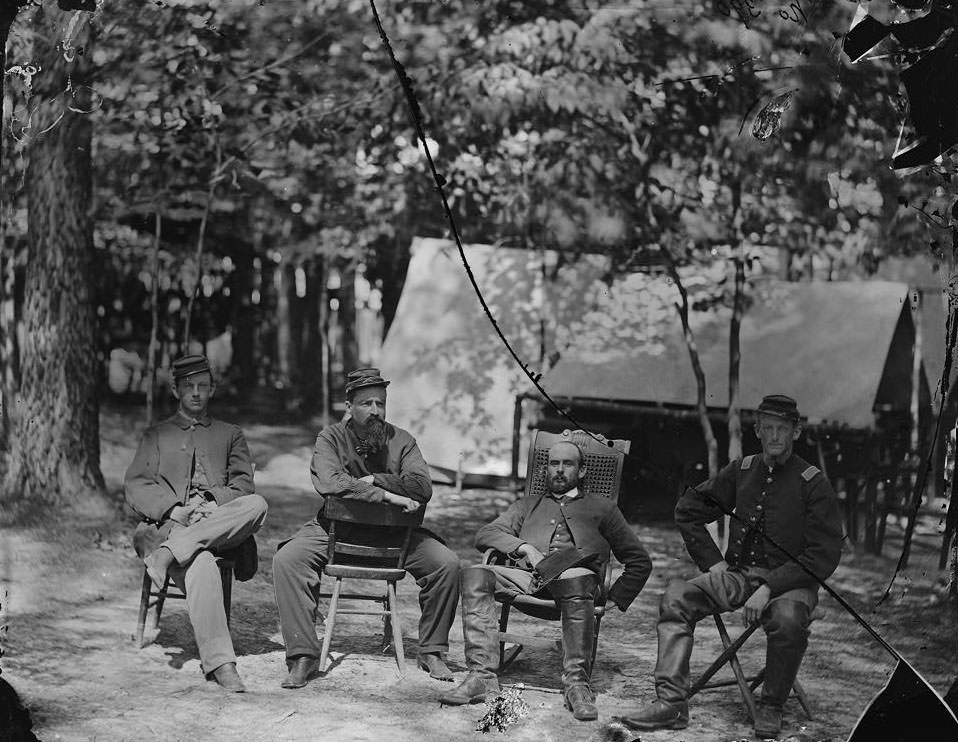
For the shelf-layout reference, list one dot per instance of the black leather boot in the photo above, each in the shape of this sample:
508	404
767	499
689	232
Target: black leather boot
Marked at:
576	598
480	633
659	715
787	630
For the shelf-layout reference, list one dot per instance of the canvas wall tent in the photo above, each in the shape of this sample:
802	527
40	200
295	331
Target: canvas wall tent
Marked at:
453	383
840	348
843	350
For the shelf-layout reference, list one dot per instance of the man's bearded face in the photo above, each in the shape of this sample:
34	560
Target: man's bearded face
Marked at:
564	469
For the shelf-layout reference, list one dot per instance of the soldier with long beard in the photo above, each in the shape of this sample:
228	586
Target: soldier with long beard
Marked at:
365	458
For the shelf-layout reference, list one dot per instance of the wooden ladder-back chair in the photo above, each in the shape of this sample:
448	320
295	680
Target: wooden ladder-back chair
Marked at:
604	459
364	562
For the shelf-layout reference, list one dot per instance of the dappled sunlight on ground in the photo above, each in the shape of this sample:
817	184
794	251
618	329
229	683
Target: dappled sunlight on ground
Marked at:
74	597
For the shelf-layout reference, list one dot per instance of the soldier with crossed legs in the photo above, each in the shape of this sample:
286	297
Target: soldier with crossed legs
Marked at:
775	493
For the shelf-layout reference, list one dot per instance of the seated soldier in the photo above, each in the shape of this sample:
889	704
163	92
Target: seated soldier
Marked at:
365	458
192	480
565	519
775	493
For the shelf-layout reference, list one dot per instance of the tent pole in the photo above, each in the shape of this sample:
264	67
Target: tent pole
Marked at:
516	426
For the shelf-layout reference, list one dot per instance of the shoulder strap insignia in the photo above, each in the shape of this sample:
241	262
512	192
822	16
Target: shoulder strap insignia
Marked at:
810	473
747	461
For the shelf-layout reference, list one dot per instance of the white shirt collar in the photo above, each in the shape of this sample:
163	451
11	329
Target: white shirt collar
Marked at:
573	493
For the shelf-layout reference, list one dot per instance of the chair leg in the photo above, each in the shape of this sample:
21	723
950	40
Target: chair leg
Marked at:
747	696
158	605
757	680
506	658
226	575
387	642
330	622
396	627
802	698
595	639
727	653
145	591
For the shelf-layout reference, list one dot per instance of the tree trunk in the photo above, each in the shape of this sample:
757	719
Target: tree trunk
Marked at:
283	332
153	348
347	316
53	459
392	264
734	361
243	316
296	312
711	444
9	359
325	362
312	337
198	256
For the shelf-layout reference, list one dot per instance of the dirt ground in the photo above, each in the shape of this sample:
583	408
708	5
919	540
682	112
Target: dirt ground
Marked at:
74	595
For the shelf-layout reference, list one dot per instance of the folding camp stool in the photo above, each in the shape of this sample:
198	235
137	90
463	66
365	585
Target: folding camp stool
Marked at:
745	684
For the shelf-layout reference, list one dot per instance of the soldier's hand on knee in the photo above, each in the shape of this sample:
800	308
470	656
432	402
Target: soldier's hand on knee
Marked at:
201	511
182	514
755	605
531	553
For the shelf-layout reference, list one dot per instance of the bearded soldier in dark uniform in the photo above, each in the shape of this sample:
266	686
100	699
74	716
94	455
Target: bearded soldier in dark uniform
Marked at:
776	493
532	528
365	458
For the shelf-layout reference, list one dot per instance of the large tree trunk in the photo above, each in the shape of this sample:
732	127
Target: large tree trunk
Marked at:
9	358
54	453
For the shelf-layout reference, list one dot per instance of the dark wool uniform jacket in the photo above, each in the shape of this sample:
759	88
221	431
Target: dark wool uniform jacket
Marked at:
159	476
336	467
596	525
802	517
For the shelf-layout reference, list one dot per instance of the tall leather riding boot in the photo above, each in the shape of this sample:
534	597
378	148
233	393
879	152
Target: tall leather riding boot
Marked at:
480	633
576	598
480	629
787	641
675	650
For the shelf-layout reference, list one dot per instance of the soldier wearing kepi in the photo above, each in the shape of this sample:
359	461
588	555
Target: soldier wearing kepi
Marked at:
365	458
776	493
192	481
536	529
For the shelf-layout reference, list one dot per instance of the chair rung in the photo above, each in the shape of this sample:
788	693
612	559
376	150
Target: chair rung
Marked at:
356	596
725	683
364	573
358	612
528	641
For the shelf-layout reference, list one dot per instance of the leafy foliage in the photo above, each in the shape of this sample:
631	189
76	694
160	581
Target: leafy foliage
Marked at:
505	709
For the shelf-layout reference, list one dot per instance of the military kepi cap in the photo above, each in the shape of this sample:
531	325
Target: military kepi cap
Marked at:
363	377
189	365
780	406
